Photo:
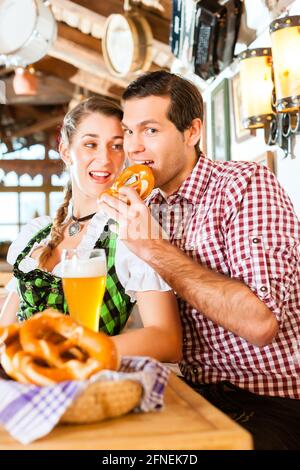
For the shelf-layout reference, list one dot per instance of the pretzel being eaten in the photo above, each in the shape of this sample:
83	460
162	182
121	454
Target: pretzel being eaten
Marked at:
51	347
138	177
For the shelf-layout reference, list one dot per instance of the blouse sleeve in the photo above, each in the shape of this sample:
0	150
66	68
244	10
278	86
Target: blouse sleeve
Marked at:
135	275
12	285
27	232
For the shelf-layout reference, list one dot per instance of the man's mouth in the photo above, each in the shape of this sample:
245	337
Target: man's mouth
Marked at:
144	162
100	176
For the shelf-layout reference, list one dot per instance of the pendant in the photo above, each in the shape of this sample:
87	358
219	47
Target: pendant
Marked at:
74	228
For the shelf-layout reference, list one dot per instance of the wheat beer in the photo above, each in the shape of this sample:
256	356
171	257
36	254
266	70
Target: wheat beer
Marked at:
84	281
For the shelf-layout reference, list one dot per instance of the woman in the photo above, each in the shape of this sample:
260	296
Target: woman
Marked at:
92	148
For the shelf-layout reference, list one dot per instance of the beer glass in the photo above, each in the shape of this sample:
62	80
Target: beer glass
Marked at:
84	280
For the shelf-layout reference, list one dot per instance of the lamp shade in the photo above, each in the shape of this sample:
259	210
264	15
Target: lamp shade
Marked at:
27	30
25	81
256	87
285	36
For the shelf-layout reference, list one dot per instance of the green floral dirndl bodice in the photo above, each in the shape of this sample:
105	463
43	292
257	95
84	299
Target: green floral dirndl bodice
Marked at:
39	289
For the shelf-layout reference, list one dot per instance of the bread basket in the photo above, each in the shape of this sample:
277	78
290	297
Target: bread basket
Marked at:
103	400
30	412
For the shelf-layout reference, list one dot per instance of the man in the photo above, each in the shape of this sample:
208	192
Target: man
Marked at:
232	258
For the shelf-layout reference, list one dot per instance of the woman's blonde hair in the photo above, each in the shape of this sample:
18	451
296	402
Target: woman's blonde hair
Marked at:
69	127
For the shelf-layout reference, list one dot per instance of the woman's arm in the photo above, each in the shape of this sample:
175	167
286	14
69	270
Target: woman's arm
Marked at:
161	336
9	310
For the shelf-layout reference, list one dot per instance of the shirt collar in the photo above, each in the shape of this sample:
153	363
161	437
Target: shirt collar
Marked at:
192	188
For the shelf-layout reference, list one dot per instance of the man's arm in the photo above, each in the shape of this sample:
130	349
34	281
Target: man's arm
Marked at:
227	302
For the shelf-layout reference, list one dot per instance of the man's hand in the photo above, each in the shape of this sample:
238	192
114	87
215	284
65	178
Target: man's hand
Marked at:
137	228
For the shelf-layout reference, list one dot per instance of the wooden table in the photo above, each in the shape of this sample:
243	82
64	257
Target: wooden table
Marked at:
187	421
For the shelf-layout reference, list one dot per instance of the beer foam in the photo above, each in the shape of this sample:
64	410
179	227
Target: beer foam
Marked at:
92	267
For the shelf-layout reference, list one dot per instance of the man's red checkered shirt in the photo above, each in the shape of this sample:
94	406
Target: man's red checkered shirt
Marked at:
235	218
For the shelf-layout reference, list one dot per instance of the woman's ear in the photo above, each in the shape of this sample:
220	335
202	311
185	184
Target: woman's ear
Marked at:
64	153
193	133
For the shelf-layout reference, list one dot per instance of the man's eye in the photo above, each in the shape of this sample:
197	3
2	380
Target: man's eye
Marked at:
150	130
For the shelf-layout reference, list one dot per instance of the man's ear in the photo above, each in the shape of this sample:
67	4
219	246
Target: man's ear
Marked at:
193	133
64	153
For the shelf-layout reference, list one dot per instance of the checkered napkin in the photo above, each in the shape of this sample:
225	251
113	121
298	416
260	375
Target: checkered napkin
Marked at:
29	412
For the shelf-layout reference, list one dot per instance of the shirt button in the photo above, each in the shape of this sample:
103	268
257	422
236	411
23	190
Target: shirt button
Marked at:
255	240
195	370
263	289
184	339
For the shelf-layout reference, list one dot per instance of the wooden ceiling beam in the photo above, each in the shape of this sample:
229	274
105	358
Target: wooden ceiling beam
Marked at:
37	127
33	167
158	18
92	23
51	90
79	17
6	70
162	8
51	66
84	59
99	85
25	111
75	35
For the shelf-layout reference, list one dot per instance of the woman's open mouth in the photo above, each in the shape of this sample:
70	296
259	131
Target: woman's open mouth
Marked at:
100	177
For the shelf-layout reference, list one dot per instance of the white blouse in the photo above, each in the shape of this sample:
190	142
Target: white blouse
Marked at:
134	274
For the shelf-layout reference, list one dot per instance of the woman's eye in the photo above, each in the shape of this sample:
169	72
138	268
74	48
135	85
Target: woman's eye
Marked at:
117	147
127	131
90	145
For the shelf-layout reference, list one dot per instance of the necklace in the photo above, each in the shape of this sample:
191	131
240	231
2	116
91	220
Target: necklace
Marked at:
75	226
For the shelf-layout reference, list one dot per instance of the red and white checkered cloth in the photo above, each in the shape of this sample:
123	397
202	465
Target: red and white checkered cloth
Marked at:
235	218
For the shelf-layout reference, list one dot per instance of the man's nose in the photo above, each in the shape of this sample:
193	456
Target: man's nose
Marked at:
133	144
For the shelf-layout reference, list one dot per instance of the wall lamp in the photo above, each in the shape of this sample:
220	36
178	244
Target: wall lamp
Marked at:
270	85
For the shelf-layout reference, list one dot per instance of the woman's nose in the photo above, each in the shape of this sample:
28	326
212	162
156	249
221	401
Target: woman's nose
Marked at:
103	154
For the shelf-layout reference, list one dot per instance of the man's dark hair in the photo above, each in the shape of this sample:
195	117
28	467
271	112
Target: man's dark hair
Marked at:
186	99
